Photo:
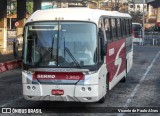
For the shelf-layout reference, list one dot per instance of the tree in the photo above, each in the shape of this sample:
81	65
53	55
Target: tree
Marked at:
98	2
13	6
29	7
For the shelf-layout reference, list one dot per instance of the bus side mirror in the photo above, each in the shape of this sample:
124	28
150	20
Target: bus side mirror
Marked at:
104	49
103	43
100	32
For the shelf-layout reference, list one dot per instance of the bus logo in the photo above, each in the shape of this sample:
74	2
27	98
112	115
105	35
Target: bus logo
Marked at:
111	51
72	77
118	61
6	110
46	76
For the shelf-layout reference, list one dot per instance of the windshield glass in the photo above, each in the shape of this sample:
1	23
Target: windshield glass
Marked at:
60	44
136	27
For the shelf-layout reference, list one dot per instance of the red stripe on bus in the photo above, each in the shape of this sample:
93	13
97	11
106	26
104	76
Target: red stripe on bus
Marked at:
116	58
58	76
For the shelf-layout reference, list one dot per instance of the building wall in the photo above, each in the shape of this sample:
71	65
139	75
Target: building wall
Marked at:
110	5
137	7
152	14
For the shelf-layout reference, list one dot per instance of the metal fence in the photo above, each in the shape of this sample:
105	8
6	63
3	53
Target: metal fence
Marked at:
152	38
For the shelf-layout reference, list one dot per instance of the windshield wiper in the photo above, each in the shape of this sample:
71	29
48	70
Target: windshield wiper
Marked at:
71	55
43	56
50	50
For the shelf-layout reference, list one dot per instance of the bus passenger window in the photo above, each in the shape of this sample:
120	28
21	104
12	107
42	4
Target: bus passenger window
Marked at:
114	37
108	29
127	26
130	26
118	28
100	23
123	27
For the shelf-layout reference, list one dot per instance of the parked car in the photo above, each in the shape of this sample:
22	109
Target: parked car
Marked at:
137	33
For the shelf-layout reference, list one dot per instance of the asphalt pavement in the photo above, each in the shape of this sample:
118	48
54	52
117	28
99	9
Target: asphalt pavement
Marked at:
8	56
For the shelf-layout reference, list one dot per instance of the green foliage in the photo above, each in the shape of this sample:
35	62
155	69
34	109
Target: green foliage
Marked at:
29	7
14	8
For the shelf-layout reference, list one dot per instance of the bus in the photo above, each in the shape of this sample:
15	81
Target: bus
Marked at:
75	54
137	33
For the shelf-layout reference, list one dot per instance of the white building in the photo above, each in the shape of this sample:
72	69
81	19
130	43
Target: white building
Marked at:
135	6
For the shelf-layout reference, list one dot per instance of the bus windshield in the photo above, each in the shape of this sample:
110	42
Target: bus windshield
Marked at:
60	44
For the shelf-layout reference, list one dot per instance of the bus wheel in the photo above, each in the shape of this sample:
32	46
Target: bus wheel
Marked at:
123	80
103	99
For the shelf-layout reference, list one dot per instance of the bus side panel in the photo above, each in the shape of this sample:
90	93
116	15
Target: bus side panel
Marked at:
129	53
116	61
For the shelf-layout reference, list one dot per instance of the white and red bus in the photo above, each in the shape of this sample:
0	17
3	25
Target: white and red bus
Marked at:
75	54
137	33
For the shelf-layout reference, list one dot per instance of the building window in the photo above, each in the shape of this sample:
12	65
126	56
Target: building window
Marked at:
131	6
138	6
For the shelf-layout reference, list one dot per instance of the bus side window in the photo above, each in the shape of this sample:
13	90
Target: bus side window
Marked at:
130	26
113	23
119	34
127	26
107	29
121	23
124	27
101	39
100	27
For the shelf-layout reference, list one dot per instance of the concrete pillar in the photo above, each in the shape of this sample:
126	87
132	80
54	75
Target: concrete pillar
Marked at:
3	25
21	15
36	5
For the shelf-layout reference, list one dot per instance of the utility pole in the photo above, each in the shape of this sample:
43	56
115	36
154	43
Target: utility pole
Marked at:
143	35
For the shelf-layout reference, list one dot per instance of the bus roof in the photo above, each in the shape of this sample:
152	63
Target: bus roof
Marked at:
76	14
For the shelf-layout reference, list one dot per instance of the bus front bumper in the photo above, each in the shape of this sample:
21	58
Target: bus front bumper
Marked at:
76	93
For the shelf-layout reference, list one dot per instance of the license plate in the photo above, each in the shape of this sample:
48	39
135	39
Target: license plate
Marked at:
57	92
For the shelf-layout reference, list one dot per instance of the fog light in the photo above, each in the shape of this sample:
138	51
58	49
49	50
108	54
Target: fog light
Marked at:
89	98
89	89
30	97
83	89
33	87
28	87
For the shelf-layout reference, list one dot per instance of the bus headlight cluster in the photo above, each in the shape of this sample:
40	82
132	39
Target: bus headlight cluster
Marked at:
83	89
33	87
88	88
29	87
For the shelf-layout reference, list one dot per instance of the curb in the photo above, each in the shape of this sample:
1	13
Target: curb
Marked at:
10	65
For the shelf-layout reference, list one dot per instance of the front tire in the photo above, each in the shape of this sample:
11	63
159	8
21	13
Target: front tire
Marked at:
103	99
123	80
